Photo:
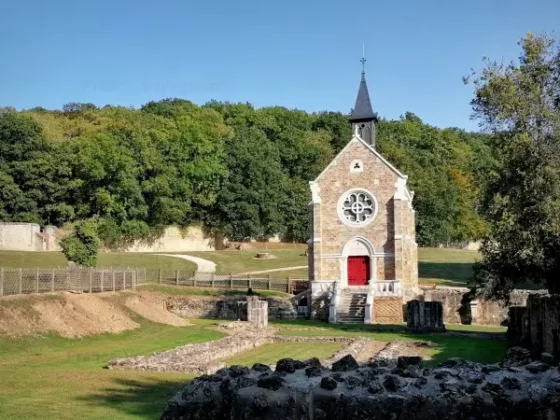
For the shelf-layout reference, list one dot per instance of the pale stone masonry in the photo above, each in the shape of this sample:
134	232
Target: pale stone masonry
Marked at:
363	234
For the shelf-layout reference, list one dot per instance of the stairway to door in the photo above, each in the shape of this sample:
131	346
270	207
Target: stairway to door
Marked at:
351	308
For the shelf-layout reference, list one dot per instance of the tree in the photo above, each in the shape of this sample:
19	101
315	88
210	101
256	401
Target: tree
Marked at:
82	246
520	102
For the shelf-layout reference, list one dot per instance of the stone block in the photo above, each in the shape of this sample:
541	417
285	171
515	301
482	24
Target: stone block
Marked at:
424	316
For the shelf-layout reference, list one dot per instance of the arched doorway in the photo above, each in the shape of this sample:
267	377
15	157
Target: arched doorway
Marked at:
358	267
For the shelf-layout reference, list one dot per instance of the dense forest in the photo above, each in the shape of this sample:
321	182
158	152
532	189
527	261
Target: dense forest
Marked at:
234	169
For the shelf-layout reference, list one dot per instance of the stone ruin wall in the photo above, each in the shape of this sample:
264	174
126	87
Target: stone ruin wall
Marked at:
458	307
537	326
382	389
225	307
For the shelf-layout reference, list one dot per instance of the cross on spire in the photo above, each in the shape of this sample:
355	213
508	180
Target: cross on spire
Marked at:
363	60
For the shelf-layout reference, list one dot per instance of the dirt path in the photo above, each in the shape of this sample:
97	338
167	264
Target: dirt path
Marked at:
204	266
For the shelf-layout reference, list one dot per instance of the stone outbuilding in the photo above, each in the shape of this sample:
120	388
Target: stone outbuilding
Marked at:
362	253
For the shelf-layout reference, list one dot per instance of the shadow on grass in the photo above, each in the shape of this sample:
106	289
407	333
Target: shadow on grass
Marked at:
452	274
141	399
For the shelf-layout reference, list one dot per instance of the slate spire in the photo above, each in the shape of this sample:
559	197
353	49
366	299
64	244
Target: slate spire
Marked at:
363	118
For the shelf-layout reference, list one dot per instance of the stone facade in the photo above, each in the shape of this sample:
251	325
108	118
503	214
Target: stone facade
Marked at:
386	239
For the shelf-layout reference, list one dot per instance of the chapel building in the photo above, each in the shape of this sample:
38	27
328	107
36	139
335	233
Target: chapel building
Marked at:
362	253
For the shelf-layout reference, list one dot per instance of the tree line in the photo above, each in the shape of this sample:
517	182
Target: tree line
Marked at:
236	170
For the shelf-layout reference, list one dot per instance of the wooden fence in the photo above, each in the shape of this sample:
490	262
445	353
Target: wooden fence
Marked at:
17	281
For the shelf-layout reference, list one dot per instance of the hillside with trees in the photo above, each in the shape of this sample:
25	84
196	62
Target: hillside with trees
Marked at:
236	170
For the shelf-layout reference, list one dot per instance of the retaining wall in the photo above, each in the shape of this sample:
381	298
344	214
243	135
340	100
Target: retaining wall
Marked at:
225	307
459	306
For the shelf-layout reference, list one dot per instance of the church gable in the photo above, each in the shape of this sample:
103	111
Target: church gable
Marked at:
352	159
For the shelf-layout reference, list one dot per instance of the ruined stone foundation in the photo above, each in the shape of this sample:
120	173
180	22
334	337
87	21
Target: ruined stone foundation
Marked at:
456	389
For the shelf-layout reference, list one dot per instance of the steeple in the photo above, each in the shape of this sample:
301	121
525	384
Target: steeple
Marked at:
363	118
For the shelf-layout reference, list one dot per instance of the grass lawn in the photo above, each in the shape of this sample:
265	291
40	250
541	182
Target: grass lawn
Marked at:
23	259
55	378
245	261
269	354
447	267
184	290
475	348
49	377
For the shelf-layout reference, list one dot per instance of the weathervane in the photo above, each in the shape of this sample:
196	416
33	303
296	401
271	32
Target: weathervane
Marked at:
363	60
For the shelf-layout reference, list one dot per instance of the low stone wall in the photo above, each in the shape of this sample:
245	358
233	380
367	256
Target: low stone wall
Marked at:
457	389
537	326
461	307
223	307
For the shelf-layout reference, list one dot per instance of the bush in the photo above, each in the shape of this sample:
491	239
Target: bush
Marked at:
82	247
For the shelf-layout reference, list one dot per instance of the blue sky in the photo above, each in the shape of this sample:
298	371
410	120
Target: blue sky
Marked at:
298	54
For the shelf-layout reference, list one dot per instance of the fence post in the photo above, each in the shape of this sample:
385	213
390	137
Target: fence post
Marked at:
213	277
52	284
124	280
135	280
160	274
268	282
249	281
177	277
102	279
91	280
37	281
113	278
290	291
230	281
20	280
1	282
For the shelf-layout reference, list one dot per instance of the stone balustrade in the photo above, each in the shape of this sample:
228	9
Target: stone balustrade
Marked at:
389	288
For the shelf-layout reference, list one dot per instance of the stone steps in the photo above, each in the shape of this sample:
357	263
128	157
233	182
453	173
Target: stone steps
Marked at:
351	308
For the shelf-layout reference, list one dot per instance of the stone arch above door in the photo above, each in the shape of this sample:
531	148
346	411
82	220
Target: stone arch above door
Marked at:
358	246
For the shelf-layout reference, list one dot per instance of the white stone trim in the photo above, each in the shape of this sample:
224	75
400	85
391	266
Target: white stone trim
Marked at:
344	196
315	190
315	240
358	170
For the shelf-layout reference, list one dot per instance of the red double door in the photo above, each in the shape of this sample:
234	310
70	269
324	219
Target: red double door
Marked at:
358	271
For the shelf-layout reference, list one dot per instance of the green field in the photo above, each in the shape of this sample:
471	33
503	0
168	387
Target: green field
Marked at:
472	345
244	261
449	267
22	259
49	377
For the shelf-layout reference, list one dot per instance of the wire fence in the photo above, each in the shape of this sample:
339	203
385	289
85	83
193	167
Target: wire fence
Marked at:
17	281
226	281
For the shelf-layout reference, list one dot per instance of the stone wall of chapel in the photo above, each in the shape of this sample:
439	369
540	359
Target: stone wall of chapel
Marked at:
376	178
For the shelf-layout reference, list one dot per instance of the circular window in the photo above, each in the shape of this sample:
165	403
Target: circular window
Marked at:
357	207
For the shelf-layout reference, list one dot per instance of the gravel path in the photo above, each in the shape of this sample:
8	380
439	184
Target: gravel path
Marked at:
204	266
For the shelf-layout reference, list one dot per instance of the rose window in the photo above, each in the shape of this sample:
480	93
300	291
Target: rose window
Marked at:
357	207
